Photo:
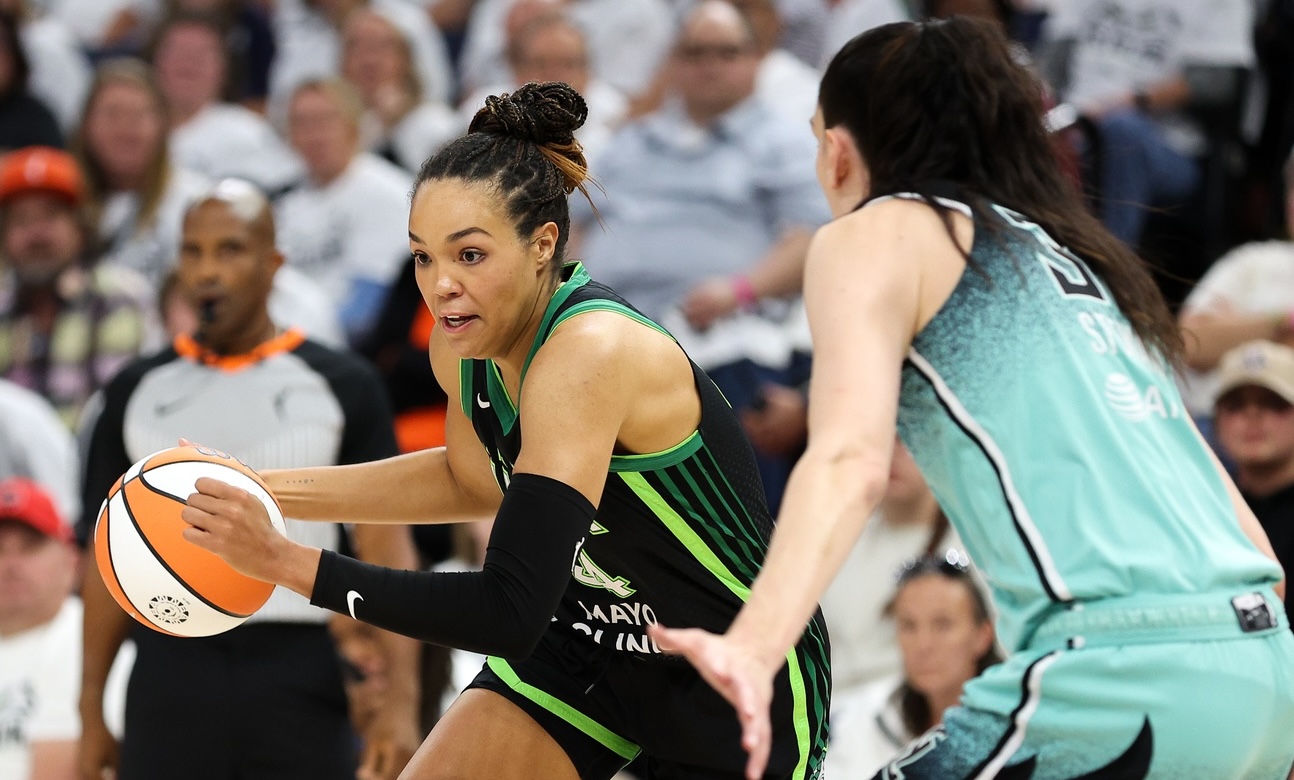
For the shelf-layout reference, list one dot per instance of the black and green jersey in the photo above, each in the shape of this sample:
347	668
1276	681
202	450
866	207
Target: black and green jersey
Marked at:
679	535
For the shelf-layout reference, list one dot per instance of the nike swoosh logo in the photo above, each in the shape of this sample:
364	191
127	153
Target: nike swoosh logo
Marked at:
351	597
481	402
166	407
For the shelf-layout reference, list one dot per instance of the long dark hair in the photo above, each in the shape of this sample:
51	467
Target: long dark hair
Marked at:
944	102
524	144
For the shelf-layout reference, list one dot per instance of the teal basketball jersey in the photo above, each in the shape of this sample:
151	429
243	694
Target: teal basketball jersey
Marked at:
1057	445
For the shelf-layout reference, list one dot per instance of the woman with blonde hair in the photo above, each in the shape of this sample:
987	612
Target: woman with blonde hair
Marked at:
135	194
401	121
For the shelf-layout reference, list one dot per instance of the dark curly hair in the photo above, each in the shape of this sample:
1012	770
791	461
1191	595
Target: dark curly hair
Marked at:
523	143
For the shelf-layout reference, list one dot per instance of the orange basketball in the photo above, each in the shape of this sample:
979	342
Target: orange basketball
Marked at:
159	578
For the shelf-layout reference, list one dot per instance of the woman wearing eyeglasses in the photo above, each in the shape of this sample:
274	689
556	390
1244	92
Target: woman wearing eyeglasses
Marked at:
945	637
965	295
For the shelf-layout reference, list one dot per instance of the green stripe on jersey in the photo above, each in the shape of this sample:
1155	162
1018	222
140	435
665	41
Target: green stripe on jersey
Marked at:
658	460
683	532
604	736
695	545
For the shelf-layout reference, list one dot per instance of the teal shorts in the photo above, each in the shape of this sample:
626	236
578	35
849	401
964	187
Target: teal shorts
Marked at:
1176	689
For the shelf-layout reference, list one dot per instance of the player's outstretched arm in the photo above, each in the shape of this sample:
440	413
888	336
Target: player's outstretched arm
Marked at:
571	413
863	292
446	484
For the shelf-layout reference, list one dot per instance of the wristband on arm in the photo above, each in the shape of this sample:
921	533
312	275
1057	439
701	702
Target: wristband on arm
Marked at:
501	610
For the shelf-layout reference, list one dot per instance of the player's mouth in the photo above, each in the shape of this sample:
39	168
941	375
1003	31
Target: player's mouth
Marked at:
456	323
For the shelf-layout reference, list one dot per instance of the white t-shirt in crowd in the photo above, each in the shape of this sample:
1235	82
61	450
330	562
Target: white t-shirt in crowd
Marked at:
60	72
788	85
417	136
36	443
40	683
225	140
627	40
354	229
149	250
309	47
1125	45
1255	278
867	730
297	301
848	18
864	646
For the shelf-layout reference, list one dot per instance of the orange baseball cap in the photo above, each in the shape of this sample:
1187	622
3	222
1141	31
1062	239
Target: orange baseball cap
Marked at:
24	501
41	169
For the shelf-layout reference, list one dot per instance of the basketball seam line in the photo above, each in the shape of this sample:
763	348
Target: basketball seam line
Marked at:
144	538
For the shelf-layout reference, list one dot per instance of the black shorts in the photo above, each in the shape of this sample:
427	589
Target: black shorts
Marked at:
606	708
260	702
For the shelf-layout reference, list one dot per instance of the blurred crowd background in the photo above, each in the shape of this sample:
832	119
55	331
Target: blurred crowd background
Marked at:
1175	117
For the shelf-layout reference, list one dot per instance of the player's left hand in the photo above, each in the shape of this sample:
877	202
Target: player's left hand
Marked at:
739	674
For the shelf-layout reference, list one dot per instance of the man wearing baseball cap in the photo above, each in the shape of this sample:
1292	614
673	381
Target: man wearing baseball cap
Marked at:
40	635
69	324
1254	425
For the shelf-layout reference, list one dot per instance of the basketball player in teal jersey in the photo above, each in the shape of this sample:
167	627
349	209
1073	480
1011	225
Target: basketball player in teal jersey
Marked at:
622	489
964	291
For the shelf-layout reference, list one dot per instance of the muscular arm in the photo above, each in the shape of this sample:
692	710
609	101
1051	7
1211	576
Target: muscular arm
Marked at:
441	485
585	387
864	306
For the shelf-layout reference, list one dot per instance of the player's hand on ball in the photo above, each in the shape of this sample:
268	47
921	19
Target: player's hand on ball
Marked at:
234	524
735	671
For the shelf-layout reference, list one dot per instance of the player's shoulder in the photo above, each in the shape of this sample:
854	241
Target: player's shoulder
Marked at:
892	222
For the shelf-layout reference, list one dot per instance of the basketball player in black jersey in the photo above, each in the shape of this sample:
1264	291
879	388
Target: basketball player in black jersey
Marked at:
622	490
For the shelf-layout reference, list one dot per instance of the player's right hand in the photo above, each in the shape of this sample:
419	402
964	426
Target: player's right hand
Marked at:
736	672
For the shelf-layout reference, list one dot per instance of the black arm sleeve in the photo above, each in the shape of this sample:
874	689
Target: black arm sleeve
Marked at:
502	610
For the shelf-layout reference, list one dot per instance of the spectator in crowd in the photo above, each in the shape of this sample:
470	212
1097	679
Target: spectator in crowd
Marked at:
136	194
226	386
309	36
36	445
784	81
1136	68
628	39
814	30
551	46
945	637
207	135
40	627
907	524
60	71
1247	294
249	46
24	119
106	27
346	225
400	123
1254	418
67	324
710	205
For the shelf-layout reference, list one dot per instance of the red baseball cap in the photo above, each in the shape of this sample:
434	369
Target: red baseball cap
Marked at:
41	169
24	501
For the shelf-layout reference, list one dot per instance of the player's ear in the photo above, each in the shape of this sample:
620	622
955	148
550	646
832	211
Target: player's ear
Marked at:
543	244
842	155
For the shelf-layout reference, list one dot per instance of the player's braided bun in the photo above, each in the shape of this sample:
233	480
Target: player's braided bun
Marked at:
545	114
